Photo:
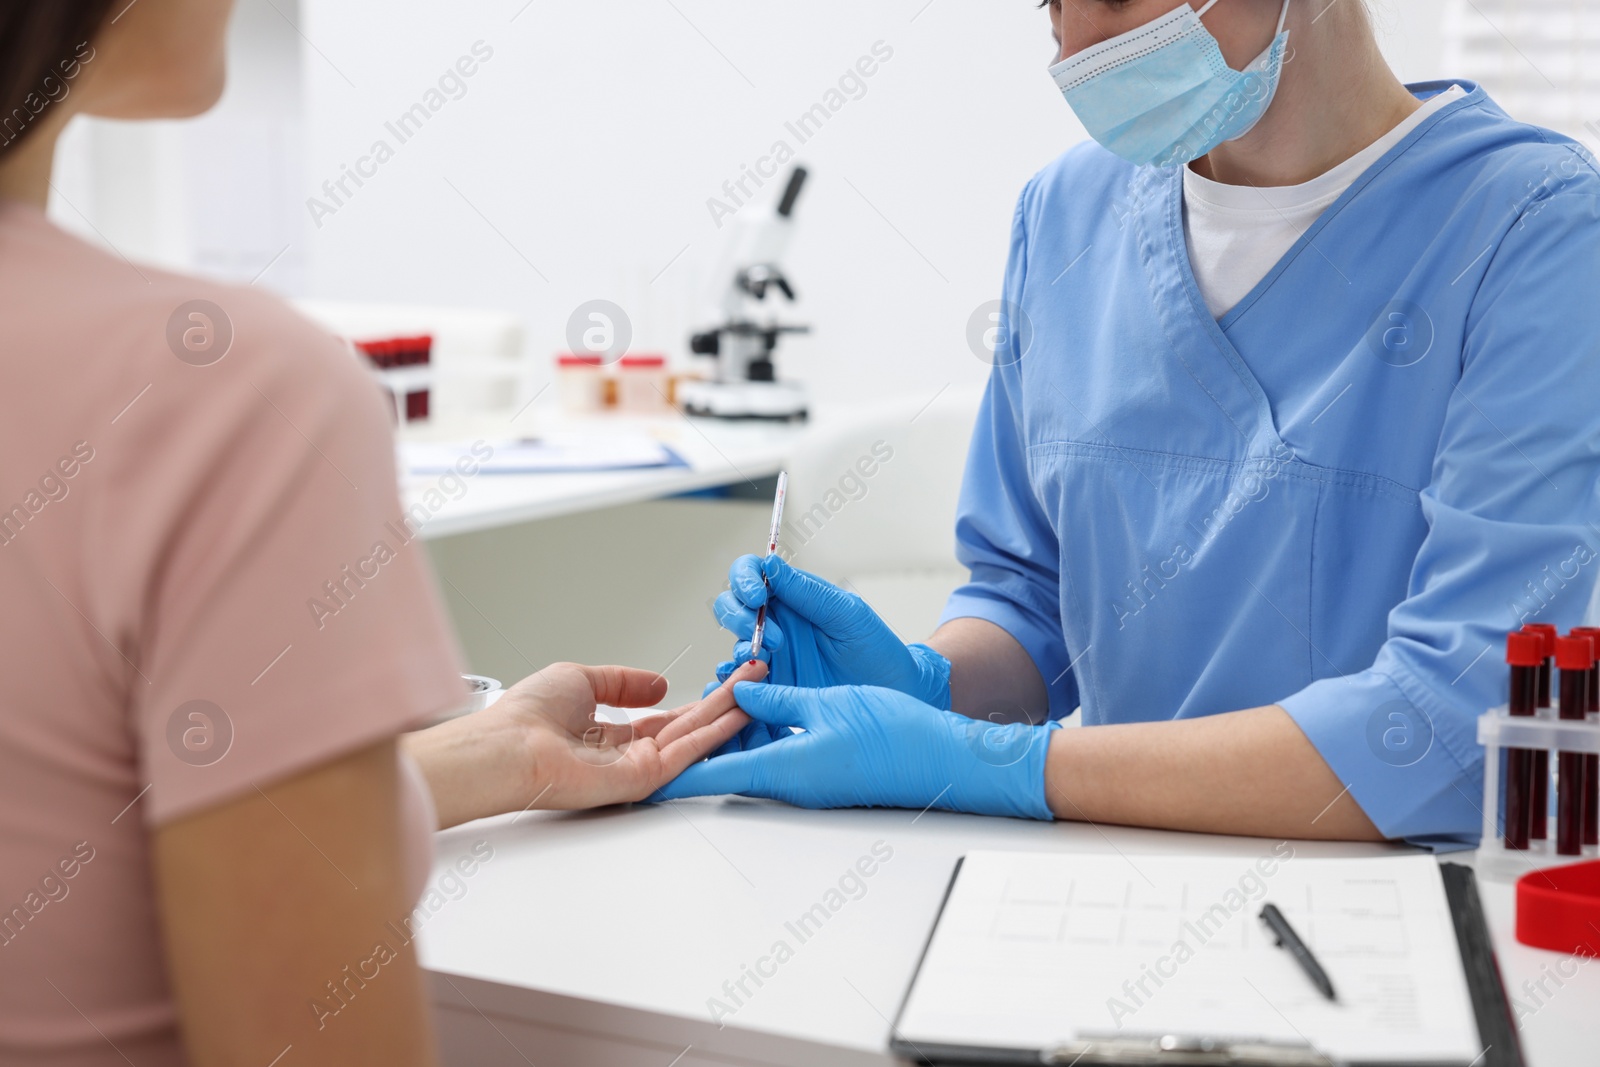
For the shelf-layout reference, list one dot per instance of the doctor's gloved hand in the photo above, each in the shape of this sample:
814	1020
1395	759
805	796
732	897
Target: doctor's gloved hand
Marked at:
817	635
865	747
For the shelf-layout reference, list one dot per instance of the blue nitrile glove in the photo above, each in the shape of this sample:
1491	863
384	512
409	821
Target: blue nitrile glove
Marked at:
817	635
752	736
867	747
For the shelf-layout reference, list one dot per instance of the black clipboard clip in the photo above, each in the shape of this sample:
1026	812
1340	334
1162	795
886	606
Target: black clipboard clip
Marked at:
1167	1050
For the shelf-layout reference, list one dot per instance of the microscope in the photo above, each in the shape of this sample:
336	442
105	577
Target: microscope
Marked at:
746	384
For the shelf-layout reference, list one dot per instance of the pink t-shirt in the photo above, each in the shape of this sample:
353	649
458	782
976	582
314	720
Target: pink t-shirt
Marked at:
187	471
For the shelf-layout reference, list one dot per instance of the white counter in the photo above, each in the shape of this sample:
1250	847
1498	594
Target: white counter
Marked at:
602	938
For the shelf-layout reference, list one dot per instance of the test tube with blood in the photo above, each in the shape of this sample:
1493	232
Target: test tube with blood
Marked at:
1525	654
1539	797
1591	773
772	547
1574	657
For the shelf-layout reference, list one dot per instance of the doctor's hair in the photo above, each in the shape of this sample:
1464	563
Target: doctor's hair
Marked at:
43	44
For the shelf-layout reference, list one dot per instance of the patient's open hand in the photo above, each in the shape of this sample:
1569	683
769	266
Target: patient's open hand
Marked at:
540	747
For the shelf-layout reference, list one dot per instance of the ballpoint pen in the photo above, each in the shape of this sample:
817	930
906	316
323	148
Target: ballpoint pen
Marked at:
772	546
1287	938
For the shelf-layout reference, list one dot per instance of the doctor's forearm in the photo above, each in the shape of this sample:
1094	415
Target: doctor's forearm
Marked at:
1245	772
991	675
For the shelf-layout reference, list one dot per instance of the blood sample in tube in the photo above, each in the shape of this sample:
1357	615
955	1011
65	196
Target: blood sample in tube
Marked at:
1525	654
1574	657
1547	633
1591	772
1539	798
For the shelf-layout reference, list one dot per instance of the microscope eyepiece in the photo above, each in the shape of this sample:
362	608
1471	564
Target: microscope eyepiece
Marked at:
797	181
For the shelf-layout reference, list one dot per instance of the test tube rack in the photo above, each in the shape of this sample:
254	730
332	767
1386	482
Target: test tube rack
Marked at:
1498	731
404	366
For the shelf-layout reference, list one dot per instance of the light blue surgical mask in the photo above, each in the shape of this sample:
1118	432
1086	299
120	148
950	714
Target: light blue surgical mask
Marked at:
1162	94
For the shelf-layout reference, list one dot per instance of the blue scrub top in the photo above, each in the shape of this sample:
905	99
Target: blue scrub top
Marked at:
1337	499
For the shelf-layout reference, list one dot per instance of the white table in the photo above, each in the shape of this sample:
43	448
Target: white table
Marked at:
598	938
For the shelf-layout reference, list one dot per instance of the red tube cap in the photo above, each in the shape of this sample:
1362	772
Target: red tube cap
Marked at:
1574	653
1547	633
1524	649
1592	633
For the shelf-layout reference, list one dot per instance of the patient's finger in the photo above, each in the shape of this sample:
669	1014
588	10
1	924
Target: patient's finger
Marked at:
625	687
741	651
699	743
691	717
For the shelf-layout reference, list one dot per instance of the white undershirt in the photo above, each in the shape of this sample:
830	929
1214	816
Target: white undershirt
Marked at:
1238	233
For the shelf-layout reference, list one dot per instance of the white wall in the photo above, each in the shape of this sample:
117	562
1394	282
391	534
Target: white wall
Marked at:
219	194
587	148
579	163
1411	32
594	138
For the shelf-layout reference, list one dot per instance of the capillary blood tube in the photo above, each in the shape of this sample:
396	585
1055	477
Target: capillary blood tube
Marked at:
1539	798
1591	772
1525	655
772	548
1574	657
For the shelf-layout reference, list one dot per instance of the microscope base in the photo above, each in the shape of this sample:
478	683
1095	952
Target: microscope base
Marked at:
768	401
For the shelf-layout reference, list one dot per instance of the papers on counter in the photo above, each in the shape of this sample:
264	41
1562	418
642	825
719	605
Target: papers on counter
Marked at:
554	454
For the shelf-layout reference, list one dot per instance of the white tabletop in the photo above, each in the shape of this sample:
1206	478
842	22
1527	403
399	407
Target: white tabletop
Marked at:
619	926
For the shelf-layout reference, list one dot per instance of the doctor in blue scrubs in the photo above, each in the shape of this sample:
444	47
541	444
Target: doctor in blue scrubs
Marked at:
1297	413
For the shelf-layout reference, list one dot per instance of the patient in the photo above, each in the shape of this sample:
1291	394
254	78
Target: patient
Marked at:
206	814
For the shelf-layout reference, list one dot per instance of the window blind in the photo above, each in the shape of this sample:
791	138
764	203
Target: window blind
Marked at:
1539	59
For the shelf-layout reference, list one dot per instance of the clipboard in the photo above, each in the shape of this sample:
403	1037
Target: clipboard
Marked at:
1490	1008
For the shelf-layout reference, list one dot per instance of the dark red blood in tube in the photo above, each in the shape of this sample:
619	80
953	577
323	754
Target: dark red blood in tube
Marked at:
1547	634
1574	657
1539	798
1525	654
1591	770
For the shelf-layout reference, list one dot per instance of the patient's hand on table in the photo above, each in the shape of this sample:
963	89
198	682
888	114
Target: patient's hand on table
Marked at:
539	746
